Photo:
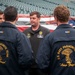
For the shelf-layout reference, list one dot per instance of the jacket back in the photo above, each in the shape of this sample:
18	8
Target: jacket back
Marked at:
13	59
57	52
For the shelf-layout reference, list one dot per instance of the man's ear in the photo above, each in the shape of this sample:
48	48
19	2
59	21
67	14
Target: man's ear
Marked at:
55	18
16	18
3	17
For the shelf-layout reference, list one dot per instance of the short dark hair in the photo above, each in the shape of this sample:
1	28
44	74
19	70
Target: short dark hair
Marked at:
62	13
35	13
1	12
10	13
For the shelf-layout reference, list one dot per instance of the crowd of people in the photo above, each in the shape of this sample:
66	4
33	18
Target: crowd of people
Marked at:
36	51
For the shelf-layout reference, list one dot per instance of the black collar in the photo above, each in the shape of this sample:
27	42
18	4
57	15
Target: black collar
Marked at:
36	31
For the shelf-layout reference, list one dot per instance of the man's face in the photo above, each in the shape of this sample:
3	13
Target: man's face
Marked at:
1	18
34	20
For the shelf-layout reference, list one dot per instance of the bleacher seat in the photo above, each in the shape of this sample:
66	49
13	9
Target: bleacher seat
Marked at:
45	7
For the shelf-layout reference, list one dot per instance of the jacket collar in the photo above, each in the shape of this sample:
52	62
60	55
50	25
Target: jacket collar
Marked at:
33	32
64	26
7	24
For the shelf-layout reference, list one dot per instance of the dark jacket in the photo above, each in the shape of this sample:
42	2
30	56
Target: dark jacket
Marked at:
57	51
36	37
15	50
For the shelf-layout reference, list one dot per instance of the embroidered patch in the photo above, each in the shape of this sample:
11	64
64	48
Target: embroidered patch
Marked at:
40	35
28	35
64	55
4	53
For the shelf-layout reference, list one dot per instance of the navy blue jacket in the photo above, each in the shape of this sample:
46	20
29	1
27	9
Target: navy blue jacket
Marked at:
15	50
57	51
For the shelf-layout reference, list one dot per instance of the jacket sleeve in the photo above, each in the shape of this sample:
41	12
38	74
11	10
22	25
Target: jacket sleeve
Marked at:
43	55
25	54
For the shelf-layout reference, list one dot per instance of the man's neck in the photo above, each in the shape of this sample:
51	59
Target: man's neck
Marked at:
11	22
34	28
59	23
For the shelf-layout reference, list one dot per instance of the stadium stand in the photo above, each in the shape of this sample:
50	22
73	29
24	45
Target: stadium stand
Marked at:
45	7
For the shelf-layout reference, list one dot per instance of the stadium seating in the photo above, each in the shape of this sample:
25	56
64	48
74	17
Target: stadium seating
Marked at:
45	7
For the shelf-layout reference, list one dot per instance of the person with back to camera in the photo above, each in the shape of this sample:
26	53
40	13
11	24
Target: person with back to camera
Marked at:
56	53
15	49
1	16
35	34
